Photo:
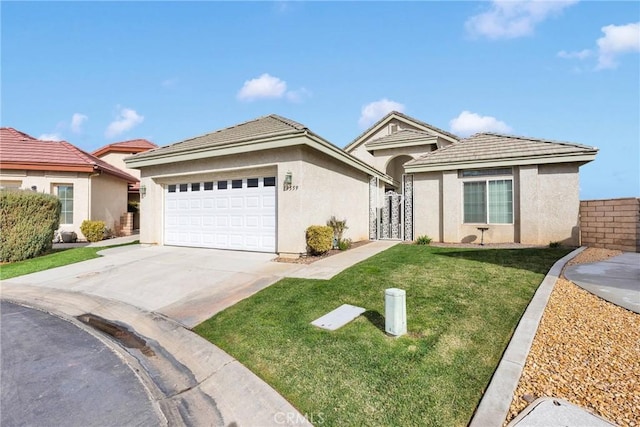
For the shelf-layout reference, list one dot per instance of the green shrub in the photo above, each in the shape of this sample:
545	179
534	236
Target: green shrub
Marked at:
28	221
319	239
344	244
93	231
423	240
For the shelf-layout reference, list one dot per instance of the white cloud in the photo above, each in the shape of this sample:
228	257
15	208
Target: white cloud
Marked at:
618	39
265	86
507	19
582	54
76	122
50	137
468	123
299	95
168	83
374	111
125	120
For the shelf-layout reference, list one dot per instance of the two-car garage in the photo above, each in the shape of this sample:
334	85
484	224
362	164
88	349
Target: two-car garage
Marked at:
223	214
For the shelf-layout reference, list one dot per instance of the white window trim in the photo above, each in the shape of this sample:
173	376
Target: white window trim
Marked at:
486	180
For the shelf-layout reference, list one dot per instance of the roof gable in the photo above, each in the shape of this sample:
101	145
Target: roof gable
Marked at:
26	152
130	147
264	127
418	125
492	149
263	133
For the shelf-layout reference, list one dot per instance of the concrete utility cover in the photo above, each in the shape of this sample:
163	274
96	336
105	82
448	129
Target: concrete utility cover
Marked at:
547	412
338	317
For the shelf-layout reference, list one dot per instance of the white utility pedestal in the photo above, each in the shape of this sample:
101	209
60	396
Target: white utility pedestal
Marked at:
395	311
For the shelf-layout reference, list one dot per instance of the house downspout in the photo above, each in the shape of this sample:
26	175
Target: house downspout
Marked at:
96	172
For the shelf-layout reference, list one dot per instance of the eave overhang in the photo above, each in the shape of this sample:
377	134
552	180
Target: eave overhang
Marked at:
581	158
239	147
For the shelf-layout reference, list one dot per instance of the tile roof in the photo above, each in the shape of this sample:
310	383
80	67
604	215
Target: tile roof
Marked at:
132	146
402	136
21	151
407	118
495	147
253	130
11	134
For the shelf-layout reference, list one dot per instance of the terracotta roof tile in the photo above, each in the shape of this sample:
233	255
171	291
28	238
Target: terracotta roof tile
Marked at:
21	151
132	146
11	134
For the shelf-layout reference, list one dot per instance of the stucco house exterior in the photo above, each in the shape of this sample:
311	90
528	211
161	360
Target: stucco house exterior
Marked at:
258	185
88	187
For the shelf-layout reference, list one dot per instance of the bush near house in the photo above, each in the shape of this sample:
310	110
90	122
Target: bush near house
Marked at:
93	231
319	239
28	221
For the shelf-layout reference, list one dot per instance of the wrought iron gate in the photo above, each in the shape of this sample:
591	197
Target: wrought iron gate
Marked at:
391	215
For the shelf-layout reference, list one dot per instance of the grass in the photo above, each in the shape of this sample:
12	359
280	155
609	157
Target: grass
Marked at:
462	308
56	258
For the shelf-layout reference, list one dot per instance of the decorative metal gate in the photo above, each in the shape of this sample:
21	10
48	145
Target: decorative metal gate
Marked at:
395	216
391	216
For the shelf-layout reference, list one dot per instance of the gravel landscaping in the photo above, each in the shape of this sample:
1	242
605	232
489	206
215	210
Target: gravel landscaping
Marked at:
587	351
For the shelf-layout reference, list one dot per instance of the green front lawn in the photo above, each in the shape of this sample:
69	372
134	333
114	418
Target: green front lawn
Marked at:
56	258
462	307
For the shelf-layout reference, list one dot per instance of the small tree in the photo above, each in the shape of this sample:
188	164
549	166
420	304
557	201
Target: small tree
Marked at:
338	228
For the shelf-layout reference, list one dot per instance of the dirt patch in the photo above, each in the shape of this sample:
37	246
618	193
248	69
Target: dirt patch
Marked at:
587	351
309	259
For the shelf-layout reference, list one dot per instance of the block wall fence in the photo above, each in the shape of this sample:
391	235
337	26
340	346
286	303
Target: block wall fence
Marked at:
611	224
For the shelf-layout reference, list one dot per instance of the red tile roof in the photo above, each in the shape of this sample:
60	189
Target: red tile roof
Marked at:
131	147
19	150
11	134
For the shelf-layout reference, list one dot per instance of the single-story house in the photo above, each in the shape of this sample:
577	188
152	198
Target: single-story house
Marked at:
89	188
258	185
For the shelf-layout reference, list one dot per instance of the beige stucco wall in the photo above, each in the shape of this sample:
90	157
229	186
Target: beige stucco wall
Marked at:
546	205
321	187
108	199
45	182
117	160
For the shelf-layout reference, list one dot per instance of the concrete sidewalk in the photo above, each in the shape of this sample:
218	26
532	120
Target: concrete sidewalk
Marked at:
616	280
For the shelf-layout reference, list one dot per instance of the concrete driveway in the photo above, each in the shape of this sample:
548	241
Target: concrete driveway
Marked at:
188	285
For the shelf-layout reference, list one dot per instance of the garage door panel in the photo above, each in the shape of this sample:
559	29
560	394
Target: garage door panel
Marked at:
241	218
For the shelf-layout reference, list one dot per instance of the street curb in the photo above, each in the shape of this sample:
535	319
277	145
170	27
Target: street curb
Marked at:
494	406
191	380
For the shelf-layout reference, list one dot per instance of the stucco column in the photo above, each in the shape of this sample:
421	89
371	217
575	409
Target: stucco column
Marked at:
528	203
451	206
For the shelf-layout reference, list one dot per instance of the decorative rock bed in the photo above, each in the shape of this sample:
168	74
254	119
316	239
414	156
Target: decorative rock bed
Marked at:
586	351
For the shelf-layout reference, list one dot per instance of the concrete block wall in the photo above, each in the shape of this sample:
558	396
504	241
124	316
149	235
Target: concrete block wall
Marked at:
611	224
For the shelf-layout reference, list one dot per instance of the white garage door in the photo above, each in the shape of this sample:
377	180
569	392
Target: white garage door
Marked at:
226	214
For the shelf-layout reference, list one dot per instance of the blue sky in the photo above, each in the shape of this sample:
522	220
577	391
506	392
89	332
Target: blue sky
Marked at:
93	73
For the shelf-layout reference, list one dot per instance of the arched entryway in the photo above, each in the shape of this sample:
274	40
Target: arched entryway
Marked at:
395	169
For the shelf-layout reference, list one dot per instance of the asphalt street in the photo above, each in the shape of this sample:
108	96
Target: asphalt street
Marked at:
55	373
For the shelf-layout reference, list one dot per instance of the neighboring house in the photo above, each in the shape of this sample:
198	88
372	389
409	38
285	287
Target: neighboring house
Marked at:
115	153
89	188
258	186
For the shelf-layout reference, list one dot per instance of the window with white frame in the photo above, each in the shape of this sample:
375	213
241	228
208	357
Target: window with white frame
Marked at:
488	200
65	194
